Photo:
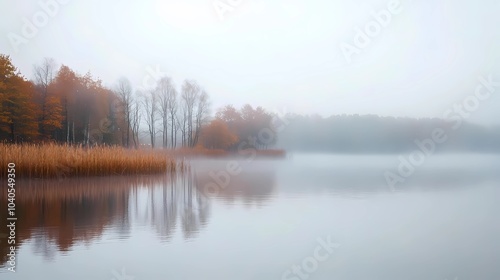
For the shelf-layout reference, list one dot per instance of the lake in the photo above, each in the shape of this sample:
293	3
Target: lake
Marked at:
309	216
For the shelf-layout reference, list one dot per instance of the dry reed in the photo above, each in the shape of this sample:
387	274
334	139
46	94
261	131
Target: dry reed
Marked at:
56	161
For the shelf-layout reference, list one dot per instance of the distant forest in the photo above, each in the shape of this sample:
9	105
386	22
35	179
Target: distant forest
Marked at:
375	134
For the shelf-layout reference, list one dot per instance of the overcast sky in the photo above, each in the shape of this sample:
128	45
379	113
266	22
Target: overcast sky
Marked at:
284	55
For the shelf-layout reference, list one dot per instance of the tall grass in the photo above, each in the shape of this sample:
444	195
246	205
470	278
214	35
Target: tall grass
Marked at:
56	161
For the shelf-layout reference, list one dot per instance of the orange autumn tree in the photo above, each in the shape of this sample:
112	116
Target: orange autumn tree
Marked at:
66	85
248	123
87	110
17	108
217	135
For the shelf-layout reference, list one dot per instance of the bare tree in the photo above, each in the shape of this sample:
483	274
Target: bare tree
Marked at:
124	92
183	126
150	100
166	97
202	111
190	94
174	125
172	102
44	75
136	120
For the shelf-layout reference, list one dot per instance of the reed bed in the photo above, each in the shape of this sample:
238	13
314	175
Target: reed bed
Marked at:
57	161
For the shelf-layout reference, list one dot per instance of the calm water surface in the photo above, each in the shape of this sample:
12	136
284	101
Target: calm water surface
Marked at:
270	219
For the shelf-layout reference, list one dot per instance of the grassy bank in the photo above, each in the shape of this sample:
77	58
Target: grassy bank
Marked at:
56	161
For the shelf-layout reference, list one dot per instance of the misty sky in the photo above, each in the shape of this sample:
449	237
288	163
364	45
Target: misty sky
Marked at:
283	55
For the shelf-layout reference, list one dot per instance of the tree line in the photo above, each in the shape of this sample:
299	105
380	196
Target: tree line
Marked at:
62	106
376	134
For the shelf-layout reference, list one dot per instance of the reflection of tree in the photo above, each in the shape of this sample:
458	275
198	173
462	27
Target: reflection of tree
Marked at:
162	203
173	200
42	245
185	196
251	186
195	207
170	209
55	215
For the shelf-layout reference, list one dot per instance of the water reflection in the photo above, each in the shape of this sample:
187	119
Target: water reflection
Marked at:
449	202
56	215
175	200
254	187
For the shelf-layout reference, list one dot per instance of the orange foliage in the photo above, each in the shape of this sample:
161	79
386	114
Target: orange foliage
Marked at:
17	107
217	135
